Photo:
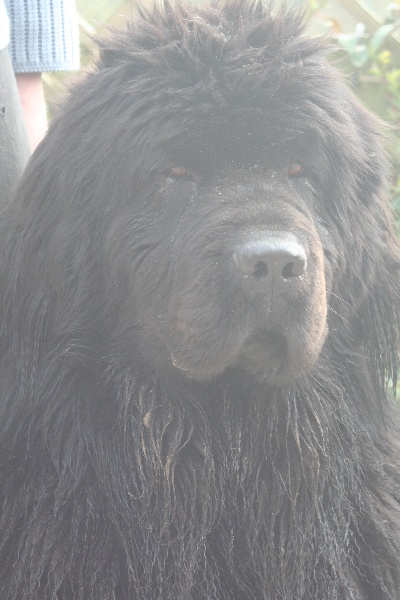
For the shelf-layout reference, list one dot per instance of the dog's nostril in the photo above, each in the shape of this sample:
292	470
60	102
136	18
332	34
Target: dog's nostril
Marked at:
272	258
287	271
293	269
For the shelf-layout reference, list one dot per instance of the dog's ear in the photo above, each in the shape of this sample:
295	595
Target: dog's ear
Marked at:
380	255
381	311
370	281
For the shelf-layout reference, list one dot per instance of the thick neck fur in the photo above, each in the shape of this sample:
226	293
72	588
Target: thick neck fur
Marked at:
243	486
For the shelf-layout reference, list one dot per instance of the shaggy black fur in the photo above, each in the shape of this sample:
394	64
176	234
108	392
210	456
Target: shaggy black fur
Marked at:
177	424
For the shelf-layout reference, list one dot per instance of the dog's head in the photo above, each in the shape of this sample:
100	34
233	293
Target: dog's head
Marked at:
233	190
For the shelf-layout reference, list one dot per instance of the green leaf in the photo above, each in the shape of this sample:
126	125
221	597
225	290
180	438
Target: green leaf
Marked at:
379	37
349	41
392	12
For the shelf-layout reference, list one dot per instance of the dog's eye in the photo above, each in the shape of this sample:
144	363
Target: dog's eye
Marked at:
181	173
295	169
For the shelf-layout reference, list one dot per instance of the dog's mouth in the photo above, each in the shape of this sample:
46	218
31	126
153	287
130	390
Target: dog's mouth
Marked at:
265	343
264	354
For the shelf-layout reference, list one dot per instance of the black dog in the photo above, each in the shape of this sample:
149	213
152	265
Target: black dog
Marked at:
200	301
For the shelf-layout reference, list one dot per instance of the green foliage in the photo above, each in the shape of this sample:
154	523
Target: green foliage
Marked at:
375	73
362	48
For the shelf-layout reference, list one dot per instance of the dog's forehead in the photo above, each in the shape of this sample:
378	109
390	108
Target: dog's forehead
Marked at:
242	136
218	57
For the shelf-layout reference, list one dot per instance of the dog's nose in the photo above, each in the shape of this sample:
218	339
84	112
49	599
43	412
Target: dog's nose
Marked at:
273	258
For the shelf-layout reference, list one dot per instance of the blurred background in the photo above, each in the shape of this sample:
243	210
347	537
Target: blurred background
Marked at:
367	34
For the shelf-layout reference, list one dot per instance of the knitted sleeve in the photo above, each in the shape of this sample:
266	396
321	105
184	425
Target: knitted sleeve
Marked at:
44	35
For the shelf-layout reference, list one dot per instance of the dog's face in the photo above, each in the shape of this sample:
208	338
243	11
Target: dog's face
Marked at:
237	276
239	164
